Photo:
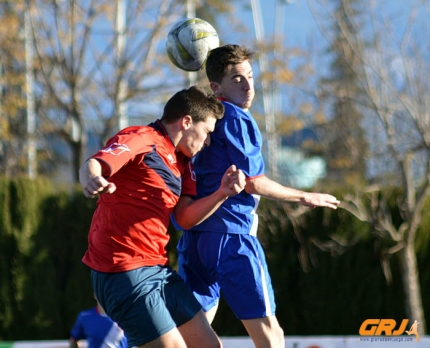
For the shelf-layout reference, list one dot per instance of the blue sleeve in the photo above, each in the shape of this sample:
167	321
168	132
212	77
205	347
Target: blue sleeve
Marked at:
243	140
175	223
77	331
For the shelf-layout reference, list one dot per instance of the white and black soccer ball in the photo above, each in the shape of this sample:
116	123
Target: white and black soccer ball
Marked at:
189	42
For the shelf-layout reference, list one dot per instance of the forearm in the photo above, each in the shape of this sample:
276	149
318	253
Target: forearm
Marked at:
90	169
189	213
92	180
270	189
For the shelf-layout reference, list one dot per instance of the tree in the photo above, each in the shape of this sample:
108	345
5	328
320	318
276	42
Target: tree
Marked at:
94	59
100	66
12	91
392	74
346	145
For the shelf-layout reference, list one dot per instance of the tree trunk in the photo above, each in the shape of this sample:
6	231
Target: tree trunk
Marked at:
77	159
411	286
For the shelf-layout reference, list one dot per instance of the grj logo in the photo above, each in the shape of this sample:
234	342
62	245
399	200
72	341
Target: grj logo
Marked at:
377	327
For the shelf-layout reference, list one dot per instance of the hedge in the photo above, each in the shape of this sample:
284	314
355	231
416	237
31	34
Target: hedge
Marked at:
43	284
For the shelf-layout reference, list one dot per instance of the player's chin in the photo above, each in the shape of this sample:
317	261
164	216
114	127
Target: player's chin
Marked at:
246	104
193	154
196	152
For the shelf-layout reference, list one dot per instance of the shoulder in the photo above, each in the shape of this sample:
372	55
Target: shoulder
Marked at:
135	140
88	312
138	131
235	117
231	110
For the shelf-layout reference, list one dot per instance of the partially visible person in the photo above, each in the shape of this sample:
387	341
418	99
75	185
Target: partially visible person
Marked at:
223	252
143	175
94	326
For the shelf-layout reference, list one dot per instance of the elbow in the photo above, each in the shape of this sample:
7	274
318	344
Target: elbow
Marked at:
180	224
187	223
250	187
257	185
184	225
187	226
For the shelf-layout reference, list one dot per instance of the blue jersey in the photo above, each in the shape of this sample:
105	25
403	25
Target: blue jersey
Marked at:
99	330
236	140
225	244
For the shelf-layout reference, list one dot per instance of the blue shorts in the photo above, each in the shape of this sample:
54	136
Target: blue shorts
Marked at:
234	263
146	303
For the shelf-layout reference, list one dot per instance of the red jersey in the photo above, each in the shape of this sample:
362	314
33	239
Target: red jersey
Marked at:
129	226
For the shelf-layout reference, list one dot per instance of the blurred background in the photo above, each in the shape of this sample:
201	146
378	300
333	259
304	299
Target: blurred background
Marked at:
342	101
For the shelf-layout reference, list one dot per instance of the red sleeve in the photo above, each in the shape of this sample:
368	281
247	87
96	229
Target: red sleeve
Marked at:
122	148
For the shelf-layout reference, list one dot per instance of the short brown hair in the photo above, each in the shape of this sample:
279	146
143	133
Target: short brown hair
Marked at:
194	102
221	58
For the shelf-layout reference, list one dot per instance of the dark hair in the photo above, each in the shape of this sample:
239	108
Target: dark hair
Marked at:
194	102
221	58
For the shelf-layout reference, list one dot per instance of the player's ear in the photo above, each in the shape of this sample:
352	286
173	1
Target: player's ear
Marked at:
187	122
216	88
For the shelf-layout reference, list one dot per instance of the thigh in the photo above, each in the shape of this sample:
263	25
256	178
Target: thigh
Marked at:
171	339
195	333
179	300
244	278
198	333
197	259
137	301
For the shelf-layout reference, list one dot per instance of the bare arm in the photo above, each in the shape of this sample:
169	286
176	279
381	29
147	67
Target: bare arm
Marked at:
189	212
270	189
92	180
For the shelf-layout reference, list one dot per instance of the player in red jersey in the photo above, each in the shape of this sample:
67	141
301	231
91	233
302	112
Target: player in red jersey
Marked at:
144	174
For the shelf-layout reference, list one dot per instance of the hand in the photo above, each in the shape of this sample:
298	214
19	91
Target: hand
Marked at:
98	185
313	200
233	181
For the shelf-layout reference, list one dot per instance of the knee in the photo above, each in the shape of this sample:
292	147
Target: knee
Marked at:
280	336
277	337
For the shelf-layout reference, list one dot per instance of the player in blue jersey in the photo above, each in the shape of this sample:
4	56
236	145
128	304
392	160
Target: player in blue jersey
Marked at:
98	329
223	252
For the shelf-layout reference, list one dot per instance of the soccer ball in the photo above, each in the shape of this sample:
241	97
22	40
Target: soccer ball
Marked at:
189	42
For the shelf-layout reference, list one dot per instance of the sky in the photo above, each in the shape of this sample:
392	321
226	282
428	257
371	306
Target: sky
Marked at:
297	18
298	21
301	30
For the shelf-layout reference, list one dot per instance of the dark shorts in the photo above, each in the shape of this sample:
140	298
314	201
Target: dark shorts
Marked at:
235	264
146	303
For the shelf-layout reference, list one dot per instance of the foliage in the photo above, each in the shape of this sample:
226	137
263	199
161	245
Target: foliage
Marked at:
12	92
92	74
43	284
345	143
43	237
386	66
331	291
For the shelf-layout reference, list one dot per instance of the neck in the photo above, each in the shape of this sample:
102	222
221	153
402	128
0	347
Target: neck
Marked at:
100	309
172	132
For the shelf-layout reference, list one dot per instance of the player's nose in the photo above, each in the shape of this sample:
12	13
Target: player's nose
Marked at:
247	84
208	140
